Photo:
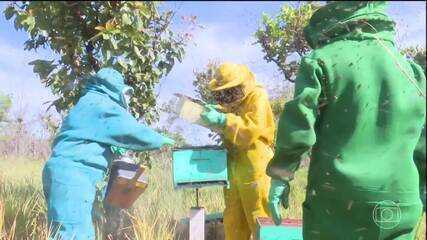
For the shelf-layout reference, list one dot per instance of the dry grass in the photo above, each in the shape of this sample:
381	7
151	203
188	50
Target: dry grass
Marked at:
157	213
155	216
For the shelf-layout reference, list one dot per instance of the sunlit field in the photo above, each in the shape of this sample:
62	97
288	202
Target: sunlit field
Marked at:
158	214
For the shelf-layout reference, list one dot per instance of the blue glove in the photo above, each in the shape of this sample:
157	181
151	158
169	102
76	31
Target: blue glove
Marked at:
212	117
279	193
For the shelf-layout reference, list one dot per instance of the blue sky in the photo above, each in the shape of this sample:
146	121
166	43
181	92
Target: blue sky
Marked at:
227	35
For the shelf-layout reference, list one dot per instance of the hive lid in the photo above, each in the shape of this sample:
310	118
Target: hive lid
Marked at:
265	221
205	147
201	184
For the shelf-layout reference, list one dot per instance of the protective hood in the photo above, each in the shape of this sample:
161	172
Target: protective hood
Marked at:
109	82
99	120
354	20
231	75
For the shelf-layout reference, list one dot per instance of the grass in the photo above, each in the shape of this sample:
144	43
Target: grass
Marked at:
156	214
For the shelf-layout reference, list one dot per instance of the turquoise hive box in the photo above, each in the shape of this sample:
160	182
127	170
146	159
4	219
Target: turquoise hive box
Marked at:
195	167
290	229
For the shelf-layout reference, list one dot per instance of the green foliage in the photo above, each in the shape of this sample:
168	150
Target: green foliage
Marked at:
5	104
203	77
418	54
51	125
282	37
277	104
132	37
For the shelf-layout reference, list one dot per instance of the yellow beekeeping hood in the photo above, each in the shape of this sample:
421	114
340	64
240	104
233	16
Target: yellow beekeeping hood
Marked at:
230	75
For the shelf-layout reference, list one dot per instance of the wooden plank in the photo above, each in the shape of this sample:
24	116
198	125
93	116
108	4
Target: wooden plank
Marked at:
197	223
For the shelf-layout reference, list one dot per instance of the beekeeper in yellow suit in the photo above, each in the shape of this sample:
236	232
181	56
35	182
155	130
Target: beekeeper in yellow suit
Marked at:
245	121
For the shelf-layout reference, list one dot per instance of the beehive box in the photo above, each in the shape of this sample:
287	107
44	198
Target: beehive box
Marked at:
195	167
290	229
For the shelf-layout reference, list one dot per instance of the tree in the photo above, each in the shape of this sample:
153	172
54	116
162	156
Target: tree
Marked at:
418	54
133	37
5	104
282	38
283	42
201	83
278	103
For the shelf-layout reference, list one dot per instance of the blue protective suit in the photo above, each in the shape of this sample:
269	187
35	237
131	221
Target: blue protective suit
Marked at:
81	153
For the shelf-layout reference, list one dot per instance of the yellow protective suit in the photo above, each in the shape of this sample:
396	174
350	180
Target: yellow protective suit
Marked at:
248	135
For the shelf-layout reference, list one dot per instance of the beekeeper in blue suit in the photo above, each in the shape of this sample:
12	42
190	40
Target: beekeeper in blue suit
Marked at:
81	152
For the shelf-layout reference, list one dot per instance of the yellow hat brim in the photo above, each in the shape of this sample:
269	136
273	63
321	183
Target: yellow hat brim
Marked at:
213	85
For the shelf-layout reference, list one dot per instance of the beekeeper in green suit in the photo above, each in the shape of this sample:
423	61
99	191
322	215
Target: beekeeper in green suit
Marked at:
359	107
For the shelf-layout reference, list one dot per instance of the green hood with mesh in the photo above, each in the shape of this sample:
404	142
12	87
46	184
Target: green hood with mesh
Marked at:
349	20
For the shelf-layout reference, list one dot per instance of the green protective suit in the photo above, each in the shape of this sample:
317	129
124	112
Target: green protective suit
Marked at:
359	107
420	161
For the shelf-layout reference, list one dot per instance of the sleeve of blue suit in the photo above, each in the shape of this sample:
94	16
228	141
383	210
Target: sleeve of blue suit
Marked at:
101	116
119	128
